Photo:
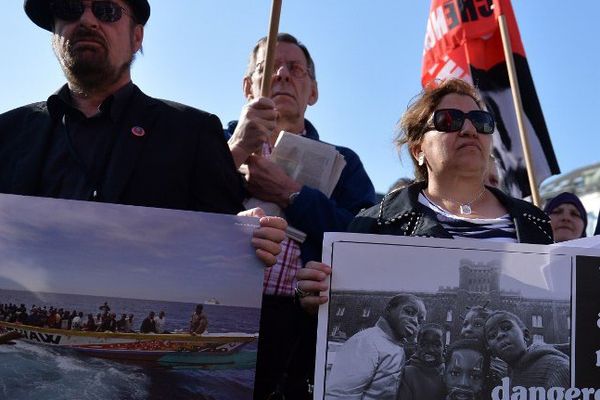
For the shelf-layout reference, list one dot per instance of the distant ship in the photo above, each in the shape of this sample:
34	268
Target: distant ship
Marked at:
212	301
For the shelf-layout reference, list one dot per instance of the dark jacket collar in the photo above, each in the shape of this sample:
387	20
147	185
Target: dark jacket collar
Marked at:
402	206
311	132
61	102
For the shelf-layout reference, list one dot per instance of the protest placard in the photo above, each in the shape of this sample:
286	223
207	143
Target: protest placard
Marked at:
124	302
534	308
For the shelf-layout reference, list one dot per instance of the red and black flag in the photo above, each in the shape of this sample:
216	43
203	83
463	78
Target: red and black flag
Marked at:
463	40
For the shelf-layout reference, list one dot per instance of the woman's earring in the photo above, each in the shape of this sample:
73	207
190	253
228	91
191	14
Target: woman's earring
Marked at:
421	158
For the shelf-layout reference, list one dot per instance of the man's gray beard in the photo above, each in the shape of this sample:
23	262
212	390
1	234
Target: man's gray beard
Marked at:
89	75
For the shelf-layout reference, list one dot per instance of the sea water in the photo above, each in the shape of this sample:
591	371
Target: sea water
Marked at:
30	371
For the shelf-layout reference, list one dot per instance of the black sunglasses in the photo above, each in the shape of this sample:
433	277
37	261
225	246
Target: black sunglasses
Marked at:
452	120
72	10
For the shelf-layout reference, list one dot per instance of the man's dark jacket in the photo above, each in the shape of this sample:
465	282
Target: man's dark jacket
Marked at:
288	335
314	213
181	161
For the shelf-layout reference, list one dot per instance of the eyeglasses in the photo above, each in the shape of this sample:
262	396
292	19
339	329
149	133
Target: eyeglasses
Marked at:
296	69
72	10
452	120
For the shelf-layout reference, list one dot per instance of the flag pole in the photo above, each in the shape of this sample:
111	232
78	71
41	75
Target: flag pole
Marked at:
516	94
265	88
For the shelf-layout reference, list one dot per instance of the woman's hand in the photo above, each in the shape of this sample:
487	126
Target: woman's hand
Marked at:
310	281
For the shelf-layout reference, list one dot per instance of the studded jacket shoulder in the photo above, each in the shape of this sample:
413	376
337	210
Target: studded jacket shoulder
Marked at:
400	213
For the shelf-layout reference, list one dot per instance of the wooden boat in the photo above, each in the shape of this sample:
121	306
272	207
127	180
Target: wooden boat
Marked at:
211	351
8	337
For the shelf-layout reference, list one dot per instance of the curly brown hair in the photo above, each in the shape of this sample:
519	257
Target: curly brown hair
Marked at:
414	123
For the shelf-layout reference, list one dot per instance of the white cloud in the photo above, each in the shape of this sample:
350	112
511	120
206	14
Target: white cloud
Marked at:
26	275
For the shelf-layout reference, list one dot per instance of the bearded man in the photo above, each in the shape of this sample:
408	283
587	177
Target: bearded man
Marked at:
100	138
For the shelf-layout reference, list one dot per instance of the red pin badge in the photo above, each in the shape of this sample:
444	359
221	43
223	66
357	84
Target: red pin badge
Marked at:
138	131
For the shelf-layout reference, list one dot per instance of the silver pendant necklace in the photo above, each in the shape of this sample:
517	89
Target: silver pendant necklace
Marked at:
465	208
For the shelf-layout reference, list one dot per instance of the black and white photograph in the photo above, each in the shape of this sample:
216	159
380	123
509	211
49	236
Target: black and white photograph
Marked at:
439	319
120	302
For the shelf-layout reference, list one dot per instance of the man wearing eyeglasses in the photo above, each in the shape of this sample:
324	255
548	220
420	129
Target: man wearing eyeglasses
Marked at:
100	138
286	356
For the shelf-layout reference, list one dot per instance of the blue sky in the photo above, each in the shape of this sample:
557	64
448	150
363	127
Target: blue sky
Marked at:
368	60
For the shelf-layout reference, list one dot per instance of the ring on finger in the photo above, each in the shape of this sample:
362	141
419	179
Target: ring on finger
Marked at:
301	293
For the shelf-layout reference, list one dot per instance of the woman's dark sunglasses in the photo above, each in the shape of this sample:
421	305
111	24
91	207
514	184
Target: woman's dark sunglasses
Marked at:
72	10
452	120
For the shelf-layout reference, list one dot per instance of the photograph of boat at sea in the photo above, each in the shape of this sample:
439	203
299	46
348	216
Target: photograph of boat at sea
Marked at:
123	302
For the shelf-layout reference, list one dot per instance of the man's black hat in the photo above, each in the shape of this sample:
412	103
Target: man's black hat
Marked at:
39	12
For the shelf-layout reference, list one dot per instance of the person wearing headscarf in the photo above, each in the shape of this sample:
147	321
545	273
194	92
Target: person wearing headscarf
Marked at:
567	217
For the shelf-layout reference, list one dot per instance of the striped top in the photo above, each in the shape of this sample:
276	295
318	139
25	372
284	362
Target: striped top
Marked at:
499	229
280	279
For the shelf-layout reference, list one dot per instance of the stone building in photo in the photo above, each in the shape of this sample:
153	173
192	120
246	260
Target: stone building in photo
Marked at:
547	319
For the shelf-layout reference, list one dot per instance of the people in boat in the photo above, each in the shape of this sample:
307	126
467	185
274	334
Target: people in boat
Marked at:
90	324
59	318
148	324
77	322
122	323
109	323
21	314
199	321
36	317
129	324
65	321
105	308
98	319
160	321
56	317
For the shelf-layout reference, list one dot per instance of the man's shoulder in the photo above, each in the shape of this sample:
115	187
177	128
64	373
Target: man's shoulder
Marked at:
176	108
347	152
311	133
19	112
371	334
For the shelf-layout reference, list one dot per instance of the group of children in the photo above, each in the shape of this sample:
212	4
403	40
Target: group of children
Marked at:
493	345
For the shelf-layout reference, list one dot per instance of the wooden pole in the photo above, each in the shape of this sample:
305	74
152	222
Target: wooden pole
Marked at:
265	88
516	94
